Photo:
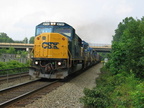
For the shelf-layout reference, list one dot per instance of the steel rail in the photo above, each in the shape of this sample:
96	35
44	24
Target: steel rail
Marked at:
13	76
15	98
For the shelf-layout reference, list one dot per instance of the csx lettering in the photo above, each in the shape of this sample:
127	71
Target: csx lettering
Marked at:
50	45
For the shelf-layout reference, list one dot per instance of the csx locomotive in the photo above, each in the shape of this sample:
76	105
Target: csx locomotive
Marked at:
59	51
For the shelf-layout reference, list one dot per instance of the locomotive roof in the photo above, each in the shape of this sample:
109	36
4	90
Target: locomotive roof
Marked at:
54	24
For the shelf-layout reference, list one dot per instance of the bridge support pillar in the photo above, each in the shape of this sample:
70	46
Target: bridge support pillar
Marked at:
28	50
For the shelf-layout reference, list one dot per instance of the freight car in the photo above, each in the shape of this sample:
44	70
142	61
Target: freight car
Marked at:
59	51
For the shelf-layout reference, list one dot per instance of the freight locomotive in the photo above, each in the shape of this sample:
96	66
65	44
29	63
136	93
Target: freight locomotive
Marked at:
59	51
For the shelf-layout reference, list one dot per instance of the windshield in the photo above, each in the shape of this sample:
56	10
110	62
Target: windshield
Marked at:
63	30
43	30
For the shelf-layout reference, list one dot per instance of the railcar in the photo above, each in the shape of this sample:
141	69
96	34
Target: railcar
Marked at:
58	51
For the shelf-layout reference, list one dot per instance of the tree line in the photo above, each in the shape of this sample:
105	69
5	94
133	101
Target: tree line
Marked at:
12	50
122	80
4	38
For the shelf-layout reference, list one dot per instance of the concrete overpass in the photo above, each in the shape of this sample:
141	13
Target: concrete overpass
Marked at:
101	47
27	47
21	46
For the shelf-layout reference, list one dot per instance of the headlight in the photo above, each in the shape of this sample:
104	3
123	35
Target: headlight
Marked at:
36	62
53	23
59	63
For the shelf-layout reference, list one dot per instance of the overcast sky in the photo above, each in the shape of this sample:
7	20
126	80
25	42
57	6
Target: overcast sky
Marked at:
94	20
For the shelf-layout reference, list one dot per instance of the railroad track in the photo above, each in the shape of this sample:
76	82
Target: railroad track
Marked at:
11	78
10	95
27	93
6	73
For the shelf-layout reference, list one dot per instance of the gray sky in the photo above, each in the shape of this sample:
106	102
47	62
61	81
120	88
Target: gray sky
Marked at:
94	20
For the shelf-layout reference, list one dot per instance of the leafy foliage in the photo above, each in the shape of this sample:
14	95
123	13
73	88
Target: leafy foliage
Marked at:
95	98
5	38
31	41
115	91
2	51
25	40
22	53
122	83
12	50
128	47
11	65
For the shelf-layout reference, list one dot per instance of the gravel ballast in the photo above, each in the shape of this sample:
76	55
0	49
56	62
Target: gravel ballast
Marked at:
67	96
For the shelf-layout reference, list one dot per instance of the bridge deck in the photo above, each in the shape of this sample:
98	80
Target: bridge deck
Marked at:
101	48
16	45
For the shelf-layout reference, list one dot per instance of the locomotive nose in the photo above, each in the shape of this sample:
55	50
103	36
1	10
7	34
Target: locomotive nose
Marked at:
51	45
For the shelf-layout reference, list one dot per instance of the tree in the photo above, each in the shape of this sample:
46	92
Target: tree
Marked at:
3	50
22	53
16	41
31	41
127	47
5	38
11	50
25	40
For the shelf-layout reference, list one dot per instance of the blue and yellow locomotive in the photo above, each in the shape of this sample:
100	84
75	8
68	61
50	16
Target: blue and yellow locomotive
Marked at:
59	51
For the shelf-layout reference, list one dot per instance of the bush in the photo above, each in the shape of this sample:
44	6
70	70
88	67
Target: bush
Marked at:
3	65
121	90
15	64
95	98
11	65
